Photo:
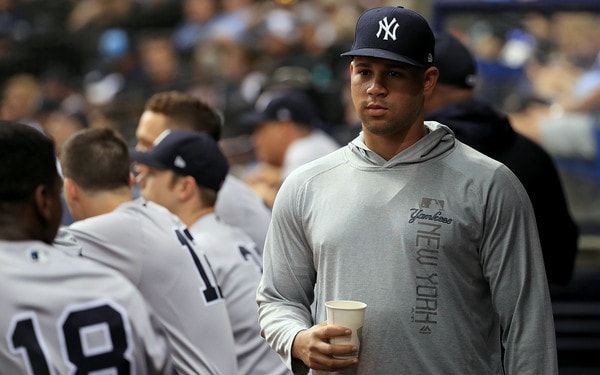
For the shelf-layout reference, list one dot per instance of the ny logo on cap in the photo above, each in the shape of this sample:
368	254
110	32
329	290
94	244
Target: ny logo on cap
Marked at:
387	28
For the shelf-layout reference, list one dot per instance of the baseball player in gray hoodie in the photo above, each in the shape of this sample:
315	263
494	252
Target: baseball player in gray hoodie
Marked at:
438	239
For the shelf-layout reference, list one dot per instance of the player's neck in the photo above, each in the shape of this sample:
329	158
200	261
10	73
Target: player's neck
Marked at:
388	146
190	218
18	222
11	232
98	203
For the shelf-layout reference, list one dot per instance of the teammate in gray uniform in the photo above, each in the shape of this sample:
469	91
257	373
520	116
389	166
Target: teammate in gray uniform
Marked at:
61	314
237	205
151	247
438	239
185	170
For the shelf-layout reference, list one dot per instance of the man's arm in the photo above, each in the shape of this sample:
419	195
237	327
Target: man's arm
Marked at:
513	265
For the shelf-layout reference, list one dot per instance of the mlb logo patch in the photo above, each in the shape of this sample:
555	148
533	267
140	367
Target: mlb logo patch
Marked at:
432	203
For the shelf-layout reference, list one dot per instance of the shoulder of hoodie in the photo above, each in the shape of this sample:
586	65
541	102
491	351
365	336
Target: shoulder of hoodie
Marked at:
478	166
471	164
465	152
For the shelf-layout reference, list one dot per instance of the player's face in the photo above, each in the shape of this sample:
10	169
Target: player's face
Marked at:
159	186
388	96
269	143
150	126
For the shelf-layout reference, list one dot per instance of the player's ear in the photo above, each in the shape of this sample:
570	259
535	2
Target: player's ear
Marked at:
48	211
131	180
44	201
430	80
70	189
75	198
187	188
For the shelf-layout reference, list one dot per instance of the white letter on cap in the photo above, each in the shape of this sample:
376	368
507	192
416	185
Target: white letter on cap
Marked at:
386	27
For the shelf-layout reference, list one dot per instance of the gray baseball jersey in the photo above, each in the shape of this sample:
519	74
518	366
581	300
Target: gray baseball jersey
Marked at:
238	267
152	248
68	315
240	206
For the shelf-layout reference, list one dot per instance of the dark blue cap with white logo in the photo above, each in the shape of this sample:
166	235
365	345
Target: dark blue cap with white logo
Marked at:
394	33
187	153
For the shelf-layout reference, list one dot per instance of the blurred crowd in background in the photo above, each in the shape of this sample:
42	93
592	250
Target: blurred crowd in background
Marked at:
95	62
539	62
70	64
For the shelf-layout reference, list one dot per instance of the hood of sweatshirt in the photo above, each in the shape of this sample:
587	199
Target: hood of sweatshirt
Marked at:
477	124
437	143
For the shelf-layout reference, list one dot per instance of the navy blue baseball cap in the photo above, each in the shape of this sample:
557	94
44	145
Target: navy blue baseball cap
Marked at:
455	62
290	106
394	33
187	153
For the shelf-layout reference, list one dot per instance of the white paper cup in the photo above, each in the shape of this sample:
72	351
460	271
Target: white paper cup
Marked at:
349	314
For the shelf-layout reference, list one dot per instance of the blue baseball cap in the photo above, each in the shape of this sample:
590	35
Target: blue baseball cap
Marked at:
455	62
290	106
187	153
394	33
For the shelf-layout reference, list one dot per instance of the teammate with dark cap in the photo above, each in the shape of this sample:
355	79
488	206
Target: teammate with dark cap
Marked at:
437	239
484	128
184	172
286	134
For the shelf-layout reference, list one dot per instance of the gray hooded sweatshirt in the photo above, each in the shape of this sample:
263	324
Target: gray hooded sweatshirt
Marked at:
439	241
